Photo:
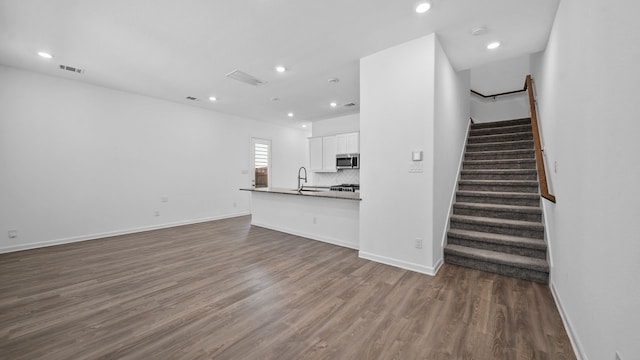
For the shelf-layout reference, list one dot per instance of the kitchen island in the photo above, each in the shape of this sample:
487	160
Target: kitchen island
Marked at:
328	216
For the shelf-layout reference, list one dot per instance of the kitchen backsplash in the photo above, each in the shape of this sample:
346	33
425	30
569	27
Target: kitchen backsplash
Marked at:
347	176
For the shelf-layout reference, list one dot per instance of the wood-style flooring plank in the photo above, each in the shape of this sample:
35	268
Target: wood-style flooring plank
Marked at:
228	290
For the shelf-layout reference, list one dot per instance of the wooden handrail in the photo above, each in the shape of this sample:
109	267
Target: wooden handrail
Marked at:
542	174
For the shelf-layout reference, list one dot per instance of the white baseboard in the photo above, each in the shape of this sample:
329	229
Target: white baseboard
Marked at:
73	239
437	266
310	236
575	342
402	264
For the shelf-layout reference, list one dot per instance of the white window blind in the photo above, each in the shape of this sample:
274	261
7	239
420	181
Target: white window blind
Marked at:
261	155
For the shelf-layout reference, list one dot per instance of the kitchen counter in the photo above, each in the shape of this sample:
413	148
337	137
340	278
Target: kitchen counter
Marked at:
311	214
311	192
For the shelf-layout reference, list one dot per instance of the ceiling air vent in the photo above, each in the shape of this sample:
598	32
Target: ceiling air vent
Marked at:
191	98
72	69
349	104
245	78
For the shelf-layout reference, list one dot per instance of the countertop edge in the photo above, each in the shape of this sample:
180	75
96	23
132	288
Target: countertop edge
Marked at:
321	194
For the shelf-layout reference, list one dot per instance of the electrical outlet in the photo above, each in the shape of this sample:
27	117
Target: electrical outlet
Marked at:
418	243
315	220
555	167
164	199
235	204
156	213
12	234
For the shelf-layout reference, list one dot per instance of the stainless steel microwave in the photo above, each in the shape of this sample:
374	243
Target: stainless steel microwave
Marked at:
348	161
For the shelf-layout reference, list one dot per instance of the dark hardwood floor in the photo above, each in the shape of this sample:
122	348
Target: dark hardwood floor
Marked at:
226	290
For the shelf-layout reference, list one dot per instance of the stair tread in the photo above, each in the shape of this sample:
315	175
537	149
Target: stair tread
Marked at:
501	207
499	182
519	261
512	240
498	194
500	161
500	142
496	152
508	126
499	171
502	123
498	222
499	135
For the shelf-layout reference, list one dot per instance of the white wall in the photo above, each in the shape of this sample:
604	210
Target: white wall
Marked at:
411	100
508	107
586	81
337	125
80	161
498	77
396	112
501	76
450	132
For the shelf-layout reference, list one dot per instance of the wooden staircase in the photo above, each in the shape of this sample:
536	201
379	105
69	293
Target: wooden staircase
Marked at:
496	223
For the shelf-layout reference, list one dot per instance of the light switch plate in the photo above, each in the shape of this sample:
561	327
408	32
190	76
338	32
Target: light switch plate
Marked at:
416	156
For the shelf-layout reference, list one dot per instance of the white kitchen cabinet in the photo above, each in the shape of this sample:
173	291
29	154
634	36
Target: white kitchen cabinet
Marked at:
329	153
348	143
322	154
316	154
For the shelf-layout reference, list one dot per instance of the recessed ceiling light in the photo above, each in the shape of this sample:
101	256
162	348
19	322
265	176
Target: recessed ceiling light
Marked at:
45	55
304	125
212	98
333	104
290	114
423	8
493	45
281	69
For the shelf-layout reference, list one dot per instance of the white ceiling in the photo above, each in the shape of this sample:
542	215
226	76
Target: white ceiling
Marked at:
171	49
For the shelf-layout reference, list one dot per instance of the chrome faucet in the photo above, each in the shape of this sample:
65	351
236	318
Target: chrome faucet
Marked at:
301	178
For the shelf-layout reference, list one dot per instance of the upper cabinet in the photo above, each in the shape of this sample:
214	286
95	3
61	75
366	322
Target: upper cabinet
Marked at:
323	150
329	153
322	154
316	162
348	143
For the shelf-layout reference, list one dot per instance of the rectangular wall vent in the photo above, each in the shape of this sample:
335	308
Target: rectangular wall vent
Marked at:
191	98
72	69
245	78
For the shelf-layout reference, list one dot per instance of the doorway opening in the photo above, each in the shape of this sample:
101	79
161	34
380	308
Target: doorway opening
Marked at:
261	163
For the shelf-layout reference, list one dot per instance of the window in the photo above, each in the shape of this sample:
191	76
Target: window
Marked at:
261	163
